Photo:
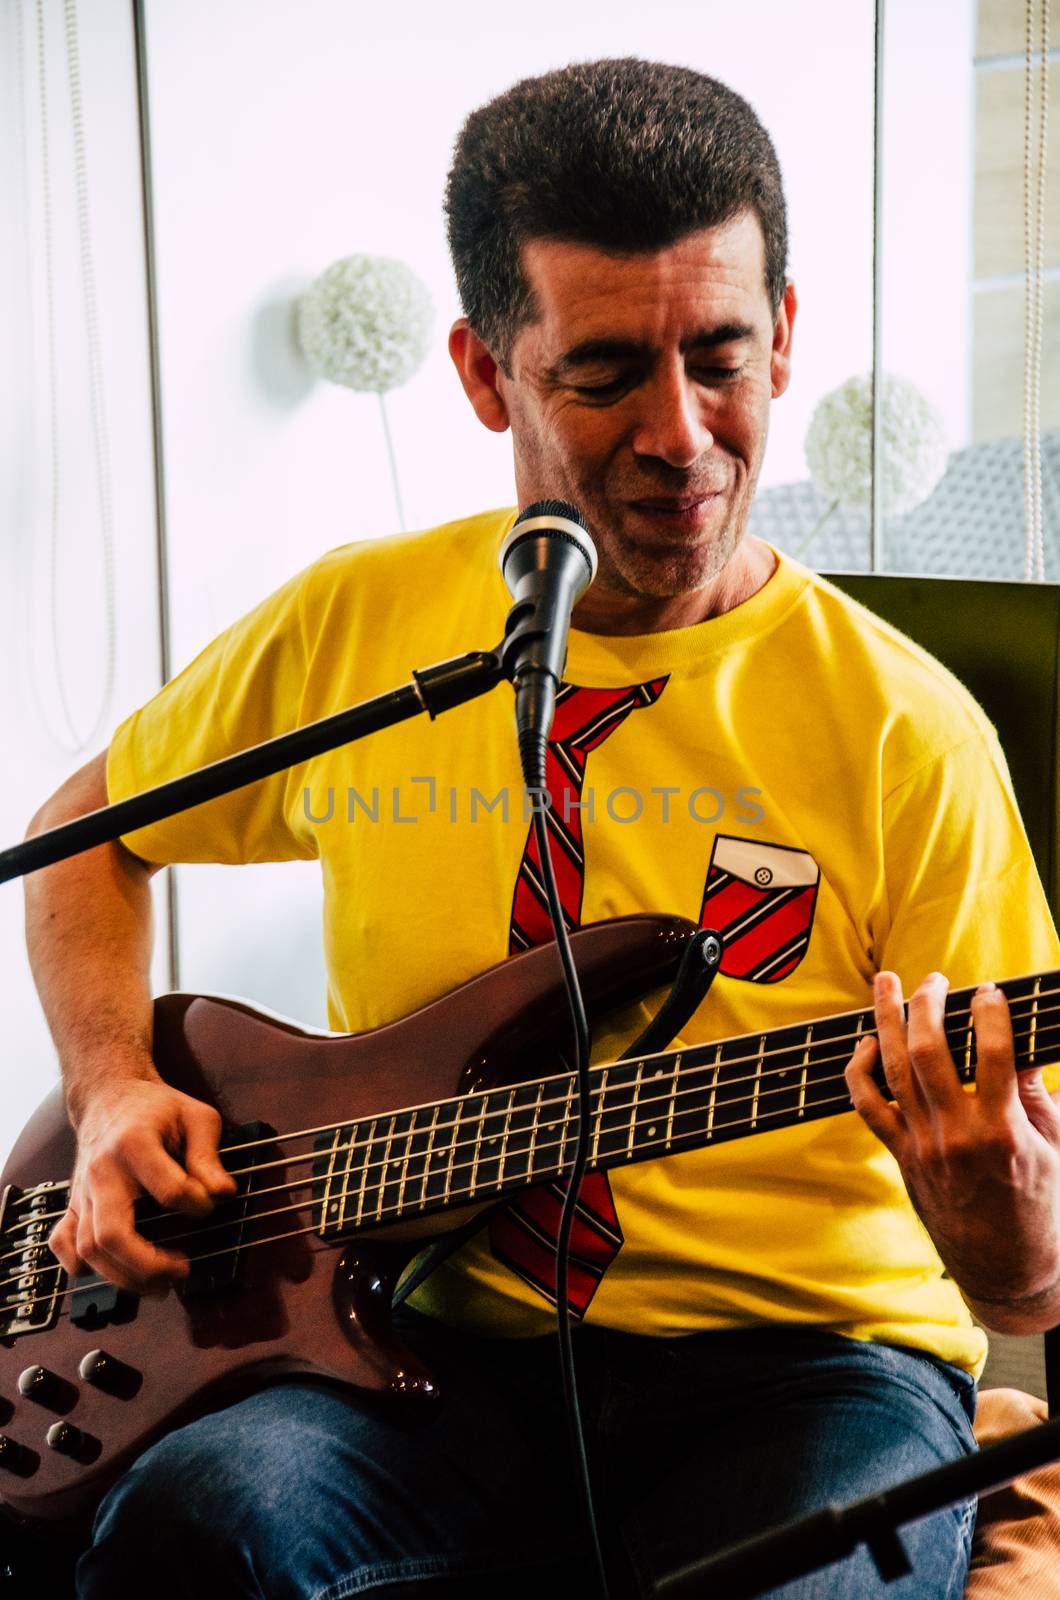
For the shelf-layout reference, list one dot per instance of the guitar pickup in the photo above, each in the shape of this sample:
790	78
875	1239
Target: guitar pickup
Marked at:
216	1248
218	1268
95	1303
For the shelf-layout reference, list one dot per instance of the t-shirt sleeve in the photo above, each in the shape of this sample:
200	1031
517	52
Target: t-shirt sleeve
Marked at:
247	686
963	892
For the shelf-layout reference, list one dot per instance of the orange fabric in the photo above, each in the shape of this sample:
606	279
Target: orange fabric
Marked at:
1016	1550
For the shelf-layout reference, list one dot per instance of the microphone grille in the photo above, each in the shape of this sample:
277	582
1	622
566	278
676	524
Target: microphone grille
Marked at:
552	508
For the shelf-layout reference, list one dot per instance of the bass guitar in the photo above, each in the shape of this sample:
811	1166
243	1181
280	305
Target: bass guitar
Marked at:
350	1153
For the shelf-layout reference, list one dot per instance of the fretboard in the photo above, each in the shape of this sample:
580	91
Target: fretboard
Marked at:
478	1147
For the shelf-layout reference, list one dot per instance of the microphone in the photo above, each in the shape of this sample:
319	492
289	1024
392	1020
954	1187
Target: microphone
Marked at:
548	561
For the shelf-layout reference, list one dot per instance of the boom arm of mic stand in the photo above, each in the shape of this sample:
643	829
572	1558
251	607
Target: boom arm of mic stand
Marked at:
798	1547
432	690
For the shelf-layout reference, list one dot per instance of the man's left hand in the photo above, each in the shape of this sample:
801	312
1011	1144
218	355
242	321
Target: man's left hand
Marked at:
982	1169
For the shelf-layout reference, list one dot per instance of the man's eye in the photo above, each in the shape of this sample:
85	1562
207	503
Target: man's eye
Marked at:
705	375
602	388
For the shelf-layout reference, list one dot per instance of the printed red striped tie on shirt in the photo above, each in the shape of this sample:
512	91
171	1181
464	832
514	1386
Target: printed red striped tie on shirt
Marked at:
585	718
523	1232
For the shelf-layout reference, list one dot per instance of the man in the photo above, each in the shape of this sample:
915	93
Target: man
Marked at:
766	1325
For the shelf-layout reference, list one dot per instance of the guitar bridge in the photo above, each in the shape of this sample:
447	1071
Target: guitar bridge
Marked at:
33	1279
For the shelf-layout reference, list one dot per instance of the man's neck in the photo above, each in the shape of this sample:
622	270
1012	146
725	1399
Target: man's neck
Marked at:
607	611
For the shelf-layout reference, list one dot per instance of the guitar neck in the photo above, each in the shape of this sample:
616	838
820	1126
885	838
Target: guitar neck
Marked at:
492	1142
477	1148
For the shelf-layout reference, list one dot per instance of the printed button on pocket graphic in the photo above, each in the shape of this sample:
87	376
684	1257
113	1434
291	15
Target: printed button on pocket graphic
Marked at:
761	898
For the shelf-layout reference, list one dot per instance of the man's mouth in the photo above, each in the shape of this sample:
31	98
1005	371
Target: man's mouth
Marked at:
683	510
674	503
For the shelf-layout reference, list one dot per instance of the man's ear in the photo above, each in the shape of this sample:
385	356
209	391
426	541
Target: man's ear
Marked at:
780	361
478	374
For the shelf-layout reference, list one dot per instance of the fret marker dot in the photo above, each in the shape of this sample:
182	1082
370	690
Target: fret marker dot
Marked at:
651	1131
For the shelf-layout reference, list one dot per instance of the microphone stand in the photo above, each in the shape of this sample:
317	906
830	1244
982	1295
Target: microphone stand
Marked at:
433	690
777	1557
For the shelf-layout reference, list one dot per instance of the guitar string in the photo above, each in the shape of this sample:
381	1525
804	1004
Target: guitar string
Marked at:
276	1238
610	1090
380	1214
959	1014
503	1112
405	1155
384	1214
1035	1012
477	1127
472	1125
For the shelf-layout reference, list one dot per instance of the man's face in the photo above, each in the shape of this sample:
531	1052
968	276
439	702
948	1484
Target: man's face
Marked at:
641	394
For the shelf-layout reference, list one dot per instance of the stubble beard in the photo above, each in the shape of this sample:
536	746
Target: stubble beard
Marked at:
627	568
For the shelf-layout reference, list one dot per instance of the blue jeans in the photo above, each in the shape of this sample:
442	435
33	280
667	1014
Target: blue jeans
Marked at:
302	1492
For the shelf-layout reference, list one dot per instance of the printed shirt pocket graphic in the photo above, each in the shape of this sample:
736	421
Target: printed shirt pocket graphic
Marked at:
761	898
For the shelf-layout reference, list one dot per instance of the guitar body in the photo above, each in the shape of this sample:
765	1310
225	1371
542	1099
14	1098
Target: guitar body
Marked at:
273	1294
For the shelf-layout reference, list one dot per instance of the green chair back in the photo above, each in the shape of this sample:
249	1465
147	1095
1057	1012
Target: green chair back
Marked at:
1002	640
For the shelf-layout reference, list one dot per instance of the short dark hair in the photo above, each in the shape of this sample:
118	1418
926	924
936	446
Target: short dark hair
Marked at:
626	155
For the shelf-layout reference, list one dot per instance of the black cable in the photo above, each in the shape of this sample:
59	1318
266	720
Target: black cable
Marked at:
581	1155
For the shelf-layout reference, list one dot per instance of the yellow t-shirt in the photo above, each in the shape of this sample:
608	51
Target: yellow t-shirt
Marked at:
795	769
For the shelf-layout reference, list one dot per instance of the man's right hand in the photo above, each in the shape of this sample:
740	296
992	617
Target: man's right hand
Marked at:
138	1136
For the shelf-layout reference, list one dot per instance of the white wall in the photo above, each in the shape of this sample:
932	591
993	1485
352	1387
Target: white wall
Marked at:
40	749
287	135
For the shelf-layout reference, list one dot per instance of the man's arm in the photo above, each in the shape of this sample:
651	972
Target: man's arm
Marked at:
89	935
982	1169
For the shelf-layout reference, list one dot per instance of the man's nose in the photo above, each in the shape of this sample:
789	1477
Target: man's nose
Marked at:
672	426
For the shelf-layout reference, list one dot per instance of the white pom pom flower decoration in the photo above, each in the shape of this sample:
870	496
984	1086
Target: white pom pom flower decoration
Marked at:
366	323
839	445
